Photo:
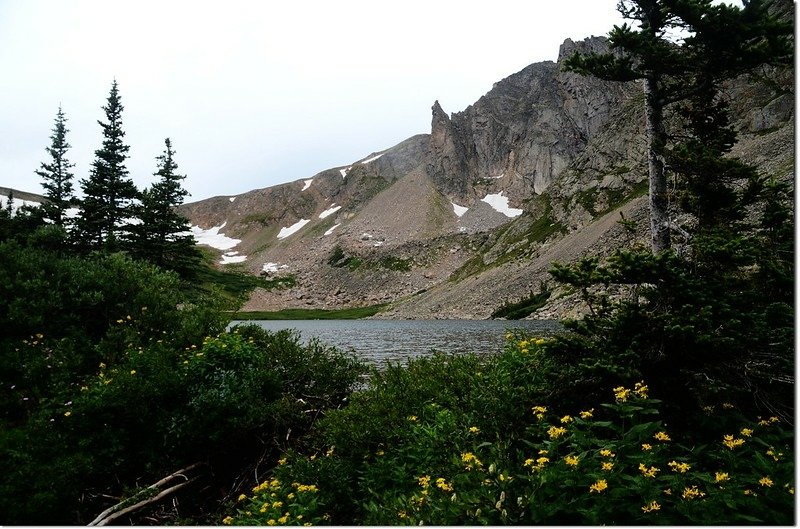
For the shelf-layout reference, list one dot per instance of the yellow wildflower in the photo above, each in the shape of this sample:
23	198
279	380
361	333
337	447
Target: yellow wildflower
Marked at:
721	476
539	341
277	504
607	466
444	485
679	467
662	436
282	461
102	365
727	405
412	418
307	488
424	481
668	492
67	413
587	414
773	455
542	452
647	446
621	394
242	497
556	431
528	463
765	482
329	453
133	371
271	522
379	453
566	419
605	452
774	419
652	506
640	389
470	459
227	520
732	443
474	429
648	472
283	519
747	432
599	486
539	411
402	514
290	496
572	461
690	493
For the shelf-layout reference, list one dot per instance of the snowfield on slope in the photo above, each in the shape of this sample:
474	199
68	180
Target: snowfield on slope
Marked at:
500	203
294	228
212	237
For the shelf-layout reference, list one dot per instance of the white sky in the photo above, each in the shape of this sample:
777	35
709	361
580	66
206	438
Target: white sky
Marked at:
254	94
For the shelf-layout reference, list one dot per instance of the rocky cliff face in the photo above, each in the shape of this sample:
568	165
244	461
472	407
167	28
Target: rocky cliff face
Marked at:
456	222
524	132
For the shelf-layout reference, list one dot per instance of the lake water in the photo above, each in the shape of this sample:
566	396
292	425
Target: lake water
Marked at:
382	341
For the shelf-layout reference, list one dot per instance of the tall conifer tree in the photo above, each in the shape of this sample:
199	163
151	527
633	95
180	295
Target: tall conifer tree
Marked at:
682	47
56	175
109	193
162	235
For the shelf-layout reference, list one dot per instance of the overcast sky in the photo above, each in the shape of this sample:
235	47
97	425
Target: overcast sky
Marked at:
254	94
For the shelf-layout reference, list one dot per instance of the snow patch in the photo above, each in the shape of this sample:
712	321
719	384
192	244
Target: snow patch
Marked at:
212	237
307	184
459	210
232	199
232	257
285	232
344	171
331	230
330	211
271	268
373	158
498	177
18	203
500	203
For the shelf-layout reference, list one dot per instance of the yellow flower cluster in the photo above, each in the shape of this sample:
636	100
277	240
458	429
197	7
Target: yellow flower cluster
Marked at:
661	436
556	431
572	461
539	411
648	472
646	447
679	467
641	389
444	485
424	481
599	486
588	414
471	461
652	506
732	443
690	493
765	482
621	394
474	429
771	452
305	488
607	466
720	477
566	419
607	453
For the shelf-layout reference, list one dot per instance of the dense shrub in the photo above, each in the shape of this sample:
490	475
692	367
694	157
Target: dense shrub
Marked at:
435	462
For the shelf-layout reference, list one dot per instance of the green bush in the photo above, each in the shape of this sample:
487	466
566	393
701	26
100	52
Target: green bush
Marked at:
415	449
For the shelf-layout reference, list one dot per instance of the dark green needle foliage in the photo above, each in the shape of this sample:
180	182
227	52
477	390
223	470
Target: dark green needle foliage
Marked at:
56	174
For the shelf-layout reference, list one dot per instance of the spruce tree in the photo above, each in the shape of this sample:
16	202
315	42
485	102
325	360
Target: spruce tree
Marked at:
679	49
109	193
56	175
162	235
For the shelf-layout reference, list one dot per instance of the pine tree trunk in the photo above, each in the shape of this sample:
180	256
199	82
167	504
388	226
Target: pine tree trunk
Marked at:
656	140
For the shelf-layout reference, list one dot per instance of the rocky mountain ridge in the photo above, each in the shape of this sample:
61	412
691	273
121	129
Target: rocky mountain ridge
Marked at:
456	222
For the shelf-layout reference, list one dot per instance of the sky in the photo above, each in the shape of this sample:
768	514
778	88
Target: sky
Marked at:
257	93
